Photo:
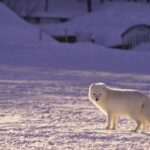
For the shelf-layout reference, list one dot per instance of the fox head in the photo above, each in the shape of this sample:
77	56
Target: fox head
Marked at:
97	92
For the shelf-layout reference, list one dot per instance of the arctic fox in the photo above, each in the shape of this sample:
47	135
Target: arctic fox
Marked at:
114	102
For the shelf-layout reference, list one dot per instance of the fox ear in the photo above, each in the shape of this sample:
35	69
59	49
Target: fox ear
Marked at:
104	86
91	85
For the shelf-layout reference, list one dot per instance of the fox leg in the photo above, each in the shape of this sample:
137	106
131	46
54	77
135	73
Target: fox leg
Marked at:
114	122
144	127
109	121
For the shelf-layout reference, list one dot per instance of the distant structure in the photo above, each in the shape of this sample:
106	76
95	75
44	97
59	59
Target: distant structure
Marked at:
29	9
135	35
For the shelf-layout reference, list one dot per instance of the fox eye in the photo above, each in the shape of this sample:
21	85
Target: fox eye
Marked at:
94	94
100	94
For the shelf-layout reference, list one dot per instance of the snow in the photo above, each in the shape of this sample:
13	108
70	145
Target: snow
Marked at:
80	56
143	47
14	30
44	87
23	48
50	110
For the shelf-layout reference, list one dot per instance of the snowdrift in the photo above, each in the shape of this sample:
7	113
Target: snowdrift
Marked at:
80	56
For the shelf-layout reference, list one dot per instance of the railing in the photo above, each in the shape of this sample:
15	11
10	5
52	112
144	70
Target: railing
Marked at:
136	35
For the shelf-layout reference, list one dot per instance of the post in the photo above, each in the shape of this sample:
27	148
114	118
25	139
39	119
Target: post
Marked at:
66	35
46	5
89	5
92	38
77	36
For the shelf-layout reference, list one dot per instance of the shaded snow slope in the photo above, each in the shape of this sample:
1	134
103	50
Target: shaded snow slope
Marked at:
81	56
14	30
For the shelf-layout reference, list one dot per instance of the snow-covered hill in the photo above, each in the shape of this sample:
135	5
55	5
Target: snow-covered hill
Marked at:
14	30
20	46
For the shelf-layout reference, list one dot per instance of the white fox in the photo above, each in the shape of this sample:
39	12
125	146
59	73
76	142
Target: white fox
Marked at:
115	102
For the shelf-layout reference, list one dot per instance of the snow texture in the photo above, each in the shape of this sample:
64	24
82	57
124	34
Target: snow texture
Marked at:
49	109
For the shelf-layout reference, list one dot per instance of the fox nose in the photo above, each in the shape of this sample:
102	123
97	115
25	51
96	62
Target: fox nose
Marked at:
96	99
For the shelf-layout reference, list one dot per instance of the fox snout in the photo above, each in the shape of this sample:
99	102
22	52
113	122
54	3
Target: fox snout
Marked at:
96	99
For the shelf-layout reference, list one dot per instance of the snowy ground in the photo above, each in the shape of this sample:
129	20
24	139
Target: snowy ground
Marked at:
45	109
